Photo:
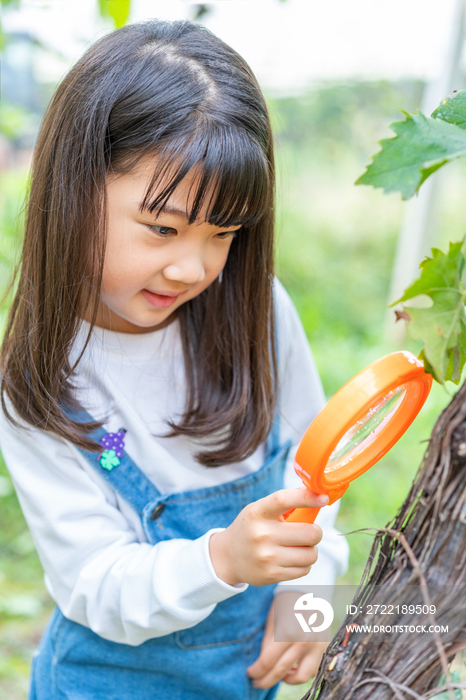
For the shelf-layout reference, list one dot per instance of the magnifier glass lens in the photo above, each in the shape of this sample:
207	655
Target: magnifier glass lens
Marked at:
366	428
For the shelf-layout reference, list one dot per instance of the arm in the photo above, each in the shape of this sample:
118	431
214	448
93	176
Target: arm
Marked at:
95	564
126	590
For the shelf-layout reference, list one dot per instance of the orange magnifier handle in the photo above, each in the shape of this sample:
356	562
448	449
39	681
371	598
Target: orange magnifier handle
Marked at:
359	425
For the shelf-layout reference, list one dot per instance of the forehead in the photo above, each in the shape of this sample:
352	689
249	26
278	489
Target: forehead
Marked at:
145	183
224	180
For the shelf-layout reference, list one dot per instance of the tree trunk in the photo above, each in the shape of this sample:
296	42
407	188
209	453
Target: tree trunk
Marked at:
425	545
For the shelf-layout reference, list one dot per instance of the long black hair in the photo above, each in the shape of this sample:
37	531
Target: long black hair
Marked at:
174	90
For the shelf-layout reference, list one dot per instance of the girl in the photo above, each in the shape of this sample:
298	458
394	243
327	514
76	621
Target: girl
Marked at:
155	377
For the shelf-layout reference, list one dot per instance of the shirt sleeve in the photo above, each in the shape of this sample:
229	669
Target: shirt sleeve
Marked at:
301	399
96	570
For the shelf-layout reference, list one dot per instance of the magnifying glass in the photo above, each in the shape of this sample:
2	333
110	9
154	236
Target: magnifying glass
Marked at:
359	424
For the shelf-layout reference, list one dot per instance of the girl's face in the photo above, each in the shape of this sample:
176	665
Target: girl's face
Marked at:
154	263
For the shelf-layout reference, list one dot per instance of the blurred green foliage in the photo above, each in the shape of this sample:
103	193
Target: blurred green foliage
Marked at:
335	252
12	120
13	187
117	10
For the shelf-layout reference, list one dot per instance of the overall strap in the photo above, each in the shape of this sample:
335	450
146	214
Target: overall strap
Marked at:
122	472
273	439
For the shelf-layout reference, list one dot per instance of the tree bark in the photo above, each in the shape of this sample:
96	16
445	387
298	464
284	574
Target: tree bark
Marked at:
425	545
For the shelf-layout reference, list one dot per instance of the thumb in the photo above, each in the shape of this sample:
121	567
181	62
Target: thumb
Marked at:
277	503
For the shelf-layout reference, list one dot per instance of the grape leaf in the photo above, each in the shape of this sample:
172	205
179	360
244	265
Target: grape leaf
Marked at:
442	326
421	146
452	109
458	695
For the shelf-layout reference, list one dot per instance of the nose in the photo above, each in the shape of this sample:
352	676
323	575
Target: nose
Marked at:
189	269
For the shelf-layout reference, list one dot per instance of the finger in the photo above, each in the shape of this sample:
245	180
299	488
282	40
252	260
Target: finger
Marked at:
270	650
289	573
299	557
307	667
298	534
270	653
280	668
279	502
266	656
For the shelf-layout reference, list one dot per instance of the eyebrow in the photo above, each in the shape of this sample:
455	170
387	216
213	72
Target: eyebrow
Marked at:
165	209
170	209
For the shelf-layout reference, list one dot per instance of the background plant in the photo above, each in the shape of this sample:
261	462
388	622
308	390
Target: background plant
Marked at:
421	146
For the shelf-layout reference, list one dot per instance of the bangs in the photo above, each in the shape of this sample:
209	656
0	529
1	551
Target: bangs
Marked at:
233	183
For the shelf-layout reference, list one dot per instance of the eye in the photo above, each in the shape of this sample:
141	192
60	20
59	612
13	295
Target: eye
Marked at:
162	230
227	234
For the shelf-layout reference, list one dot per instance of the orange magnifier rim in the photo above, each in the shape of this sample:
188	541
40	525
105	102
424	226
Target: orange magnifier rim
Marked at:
396	383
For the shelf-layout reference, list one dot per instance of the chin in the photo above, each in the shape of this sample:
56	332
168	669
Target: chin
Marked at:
154	323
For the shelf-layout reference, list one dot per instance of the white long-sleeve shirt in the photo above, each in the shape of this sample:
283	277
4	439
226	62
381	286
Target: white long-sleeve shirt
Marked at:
99	567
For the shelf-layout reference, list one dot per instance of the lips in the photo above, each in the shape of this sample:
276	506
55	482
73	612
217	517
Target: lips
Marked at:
159	300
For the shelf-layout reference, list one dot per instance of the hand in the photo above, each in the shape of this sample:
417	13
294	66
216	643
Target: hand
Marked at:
261	548
291	662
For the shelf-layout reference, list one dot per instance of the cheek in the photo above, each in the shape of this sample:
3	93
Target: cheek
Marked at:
124	263
116	272
218	260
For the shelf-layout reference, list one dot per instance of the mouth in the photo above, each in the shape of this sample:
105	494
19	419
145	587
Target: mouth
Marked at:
161	300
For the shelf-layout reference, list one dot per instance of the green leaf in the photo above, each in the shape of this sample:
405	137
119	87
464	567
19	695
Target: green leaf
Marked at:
458	695
442	326
118	10
452	109
421	146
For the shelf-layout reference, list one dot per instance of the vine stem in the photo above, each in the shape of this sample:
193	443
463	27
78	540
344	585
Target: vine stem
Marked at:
396	687
425	594
439	689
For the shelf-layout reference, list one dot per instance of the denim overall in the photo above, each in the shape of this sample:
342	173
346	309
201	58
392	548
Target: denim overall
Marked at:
205	662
